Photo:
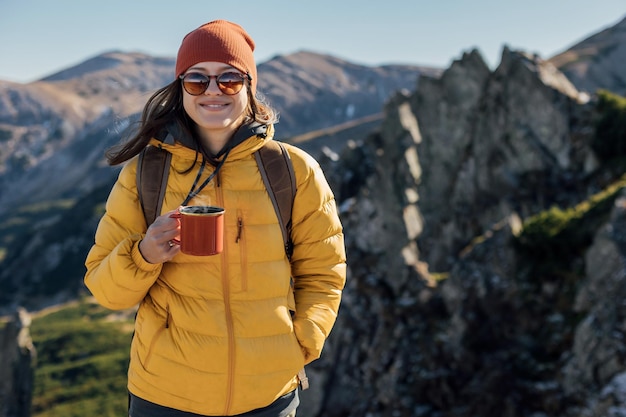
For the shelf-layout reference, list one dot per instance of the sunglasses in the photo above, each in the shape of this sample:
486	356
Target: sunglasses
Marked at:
229	83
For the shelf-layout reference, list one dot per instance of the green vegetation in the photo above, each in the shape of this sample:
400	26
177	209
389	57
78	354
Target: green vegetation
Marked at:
82	359
19	222
552	239
439	276
610	126
43	221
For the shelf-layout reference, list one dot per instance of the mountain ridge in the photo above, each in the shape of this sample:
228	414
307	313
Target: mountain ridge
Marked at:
42	124
593	61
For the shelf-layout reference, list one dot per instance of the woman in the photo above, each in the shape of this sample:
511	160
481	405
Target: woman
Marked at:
225	334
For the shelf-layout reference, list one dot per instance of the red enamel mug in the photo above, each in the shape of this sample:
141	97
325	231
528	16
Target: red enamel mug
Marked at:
201	230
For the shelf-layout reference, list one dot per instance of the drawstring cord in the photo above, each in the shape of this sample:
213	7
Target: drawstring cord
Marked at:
195	191
242	133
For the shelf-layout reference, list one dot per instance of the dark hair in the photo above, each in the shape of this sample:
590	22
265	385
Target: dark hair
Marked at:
165	107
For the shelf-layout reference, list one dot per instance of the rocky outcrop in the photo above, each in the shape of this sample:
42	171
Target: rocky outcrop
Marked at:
492	144
443	314
598	356
18	359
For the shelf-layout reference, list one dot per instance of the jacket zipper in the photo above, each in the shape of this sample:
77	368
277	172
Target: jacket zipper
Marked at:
228	312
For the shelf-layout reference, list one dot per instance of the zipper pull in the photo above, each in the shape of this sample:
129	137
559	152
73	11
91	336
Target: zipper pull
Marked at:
239	229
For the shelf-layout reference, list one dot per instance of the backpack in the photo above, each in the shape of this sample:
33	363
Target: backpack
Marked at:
276	171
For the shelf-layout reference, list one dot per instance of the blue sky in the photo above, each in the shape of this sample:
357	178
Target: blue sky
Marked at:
40	37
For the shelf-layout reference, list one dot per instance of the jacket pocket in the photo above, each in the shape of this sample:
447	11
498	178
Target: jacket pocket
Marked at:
291	299
159	333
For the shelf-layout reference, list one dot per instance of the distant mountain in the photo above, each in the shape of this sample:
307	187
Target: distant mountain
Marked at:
314	91
59	127
310	90
598	61
113	60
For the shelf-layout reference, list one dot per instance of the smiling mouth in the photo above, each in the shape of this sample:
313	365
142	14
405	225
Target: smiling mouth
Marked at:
213	105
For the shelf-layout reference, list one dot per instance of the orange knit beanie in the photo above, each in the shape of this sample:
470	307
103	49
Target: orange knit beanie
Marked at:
219	41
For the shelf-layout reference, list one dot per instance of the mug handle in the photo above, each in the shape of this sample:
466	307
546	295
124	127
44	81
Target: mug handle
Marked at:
176	215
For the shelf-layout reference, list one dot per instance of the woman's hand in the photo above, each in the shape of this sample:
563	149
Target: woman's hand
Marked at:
157	246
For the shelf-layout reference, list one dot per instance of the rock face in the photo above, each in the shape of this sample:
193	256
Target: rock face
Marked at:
18	358
493	144
597	356
443	189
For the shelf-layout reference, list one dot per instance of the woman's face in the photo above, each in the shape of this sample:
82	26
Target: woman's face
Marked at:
216	114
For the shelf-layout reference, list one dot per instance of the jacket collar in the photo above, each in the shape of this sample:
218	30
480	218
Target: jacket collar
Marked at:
174	139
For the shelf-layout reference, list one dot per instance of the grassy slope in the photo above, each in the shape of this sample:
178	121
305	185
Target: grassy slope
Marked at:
82	358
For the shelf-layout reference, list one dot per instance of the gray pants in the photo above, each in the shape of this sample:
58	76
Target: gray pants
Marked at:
292	414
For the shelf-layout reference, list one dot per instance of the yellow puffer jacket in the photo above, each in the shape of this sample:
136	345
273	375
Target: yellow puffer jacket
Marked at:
215	335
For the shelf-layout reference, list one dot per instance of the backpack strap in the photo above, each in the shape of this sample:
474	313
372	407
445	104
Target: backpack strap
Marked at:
280	181
278	175
153	168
